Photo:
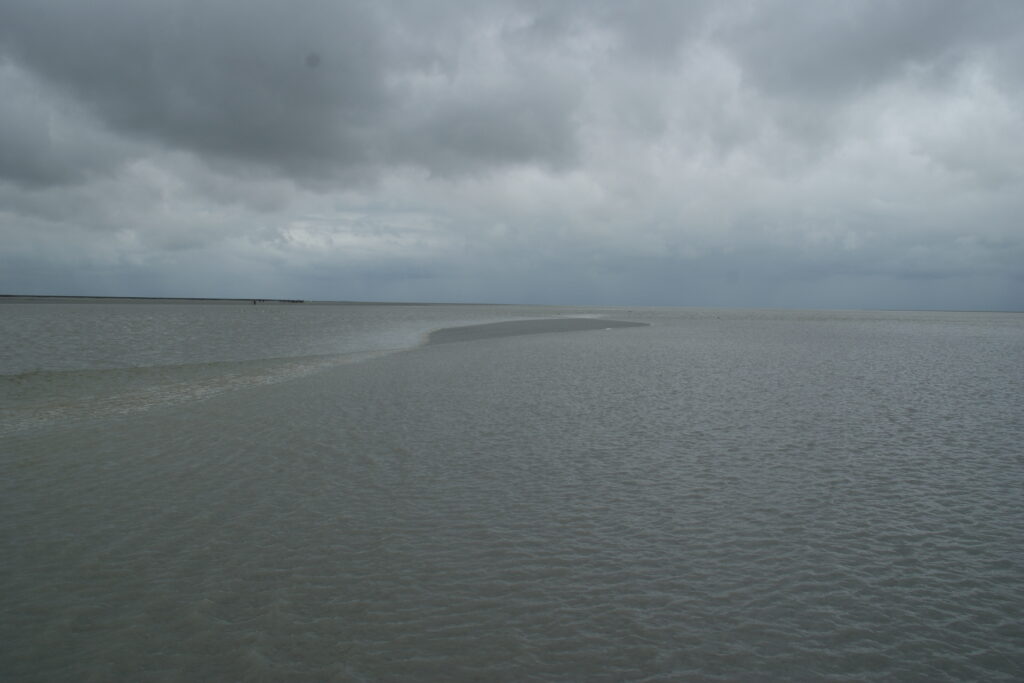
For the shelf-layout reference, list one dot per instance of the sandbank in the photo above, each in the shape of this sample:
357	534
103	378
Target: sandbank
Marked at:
520	327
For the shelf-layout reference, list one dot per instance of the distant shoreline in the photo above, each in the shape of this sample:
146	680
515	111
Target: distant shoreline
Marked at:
80	299
83	299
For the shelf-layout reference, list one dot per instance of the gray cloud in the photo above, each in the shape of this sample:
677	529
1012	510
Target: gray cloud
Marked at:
215	78
831	50
311	88
42	140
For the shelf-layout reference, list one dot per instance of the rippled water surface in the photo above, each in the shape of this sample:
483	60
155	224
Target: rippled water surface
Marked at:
310	495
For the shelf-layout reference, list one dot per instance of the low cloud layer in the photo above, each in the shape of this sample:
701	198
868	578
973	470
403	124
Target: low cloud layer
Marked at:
860	154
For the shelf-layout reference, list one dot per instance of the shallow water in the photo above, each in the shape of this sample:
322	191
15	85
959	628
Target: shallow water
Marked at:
722	494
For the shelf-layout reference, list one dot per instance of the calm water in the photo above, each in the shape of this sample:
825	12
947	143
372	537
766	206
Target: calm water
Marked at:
199	492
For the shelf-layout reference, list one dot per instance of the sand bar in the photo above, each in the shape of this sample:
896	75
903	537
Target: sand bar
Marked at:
519	327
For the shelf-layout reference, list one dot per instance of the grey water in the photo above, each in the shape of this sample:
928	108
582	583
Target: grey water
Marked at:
199	492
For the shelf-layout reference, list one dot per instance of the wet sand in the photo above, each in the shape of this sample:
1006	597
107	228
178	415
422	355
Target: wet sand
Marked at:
521	327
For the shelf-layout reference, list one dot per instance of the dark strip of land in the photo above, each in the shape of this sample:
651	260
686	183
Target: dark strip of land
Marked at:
520	327
72	299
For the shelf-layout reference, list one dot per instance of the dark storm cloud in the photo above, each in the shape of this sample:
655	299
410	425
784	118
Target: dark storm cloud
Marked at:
215	77
309	88
42	142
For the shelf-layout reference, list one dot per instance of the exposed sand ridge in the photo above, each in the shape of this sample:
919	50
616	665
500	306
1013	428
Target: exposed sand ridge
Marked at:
520	327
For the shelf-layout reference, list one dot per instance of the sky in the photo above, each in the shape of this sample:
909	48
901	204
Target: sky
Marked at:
776	153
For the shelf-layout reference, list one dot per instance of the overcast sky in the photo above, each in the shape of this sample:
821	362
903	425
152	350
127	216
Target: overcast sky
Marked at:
848	154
